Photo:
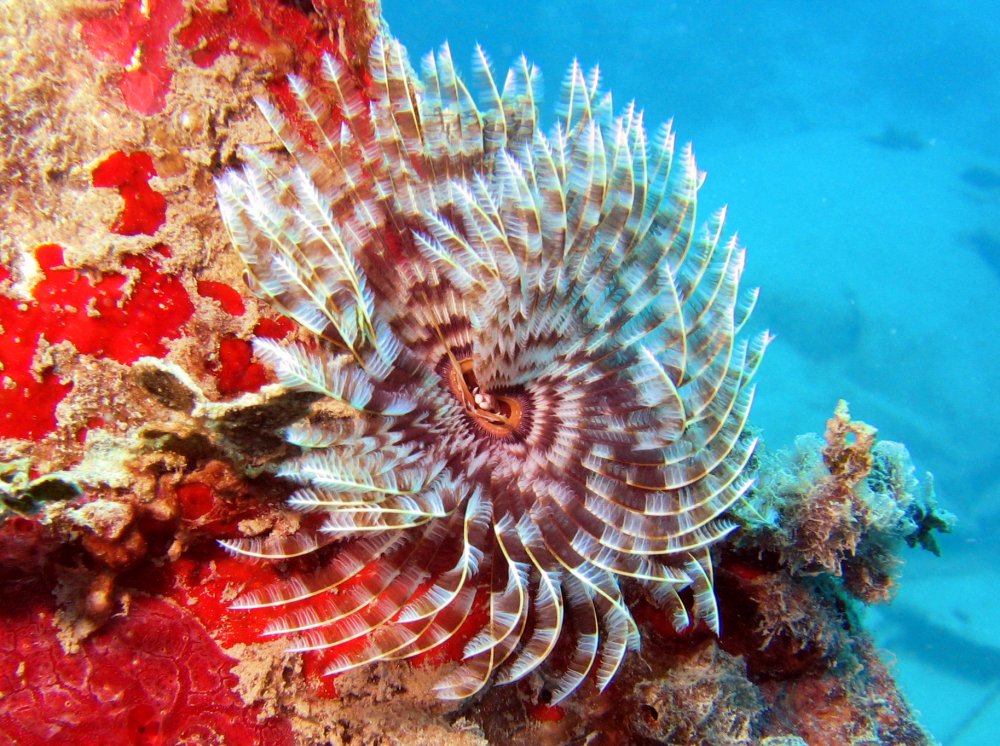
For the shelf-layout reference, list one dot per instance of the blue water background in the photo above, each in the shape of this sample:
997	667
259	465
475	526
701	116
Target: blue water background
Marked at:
857	145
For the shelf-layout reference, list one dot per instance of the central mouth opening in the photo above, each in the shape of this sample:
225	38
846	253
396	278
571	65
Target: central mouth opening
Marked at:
497	414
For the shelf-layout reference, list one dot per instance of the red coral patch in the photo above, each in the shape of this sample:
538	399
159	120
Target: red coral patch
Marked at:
136	34
154	677
102	317
229	298
196	500
274	328
235	29
297	40
237	372
145	209
247	28
28	399
203	581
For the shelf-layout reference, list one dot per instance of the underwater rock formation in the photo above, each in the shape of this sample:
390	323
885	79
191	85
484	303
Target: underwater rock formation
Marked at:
139	429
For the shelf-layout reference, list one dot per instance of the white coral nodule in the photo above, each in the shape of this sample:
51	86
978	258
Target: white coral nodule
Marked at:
541	348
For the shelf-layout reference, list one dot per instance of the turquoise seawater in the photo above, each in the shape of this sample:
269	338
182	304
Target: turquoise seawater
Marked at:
857	147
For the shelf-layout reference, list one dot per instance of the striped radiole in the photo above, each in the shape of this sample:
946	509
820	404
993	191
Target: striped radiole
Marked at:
542	349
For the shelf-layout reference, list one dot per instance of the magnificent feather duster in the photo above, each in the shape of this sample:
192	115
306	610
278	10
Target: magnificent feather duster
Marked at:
541	347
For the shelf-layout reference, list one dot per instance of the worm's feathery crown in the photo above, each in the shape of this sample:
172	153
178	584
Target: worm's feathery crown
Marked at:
541	346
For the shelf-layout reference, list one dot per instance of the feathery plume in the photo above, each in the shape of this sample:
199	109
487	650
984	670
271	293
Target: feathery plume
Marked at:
542	349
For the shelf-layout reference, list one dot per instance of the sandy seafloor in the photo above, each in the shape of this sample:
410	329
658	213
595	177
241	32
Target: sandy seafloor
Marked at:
857	149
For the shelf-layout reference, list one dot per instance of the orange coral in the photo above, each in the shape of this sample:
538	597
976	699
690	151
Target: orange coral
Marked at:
848	452
827	527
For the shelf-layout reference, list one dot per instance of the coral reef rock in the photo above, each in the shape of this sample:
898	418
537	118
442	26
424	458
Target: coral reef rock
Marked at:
138	428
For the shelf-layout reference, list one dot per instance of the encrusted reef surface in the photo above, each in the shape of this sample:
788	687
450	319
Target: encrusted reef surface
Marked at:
137	429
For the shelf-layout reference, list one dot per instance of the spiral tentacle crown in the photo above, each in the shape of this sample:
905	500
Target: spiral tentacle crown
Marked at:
542	350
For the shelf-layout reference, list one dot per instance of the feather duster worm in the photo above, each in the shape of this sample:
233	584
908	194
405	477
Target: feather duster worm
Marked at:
541	347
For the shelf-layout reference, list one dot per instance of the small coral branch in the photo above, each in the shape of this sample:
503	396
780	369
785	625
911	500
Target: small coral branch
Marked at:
848	452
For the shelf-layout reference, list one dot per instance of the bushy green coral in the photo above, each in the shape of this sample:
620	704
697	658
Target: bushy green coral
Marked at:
907	507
